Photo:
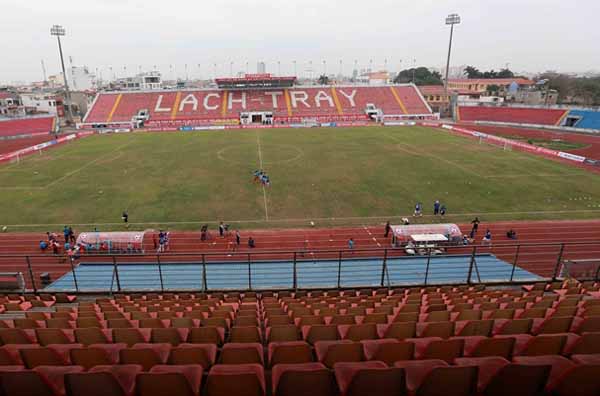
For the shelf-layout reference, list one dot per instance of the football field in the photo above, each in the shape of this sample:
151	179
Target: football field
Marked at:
329	176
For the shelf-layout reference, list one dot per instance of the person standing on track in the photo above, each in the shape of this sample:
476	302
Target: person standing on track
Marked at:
221	229
475	223
351	243
66	233
487	238
388	227
71	235
238	238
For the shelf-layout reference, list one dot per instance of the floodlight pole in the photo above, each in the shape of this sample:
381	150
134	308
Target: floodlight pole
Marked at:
452	19
58	31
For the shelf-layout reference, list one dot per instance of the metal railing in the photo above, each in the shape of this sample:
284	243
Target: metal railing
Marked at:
300	269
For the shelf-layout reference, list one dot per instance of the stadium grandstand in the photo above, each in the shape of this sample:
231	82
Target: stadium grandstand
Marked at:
382	250
258	99
534	116
518	115
29	126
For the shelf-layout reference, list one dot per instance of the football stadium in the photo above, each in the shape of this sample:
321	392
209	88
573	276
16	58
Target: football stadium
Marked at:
272	234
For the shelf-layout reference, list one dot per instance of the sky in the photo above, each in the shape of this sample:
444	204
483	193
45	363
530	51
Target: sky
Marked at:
129	35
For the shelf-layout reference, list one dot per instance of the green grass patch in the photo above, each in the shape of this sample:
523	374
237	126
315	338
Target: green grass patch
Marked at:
333	176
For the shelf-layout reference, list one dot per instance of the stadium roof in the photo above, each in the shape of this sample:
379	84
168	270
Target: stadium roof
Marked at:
255	80
490	81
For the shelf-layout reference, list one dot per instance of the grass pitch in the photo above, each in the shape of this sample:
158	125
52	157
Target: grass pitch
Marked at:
331	176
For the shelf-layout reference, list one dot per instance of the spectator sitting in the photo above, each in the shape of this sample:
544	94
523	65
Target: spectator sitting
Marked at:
43	246
487	238
465	240
251	243
511	234
410	248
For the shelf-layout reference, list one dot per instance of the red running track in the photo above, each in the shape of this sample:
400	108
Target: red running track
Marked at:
277	244
10	145
592	141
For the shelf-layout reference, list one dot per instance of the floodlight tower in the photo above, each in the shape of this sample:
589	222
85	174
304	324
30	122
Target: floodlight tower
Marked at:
452	19
58	31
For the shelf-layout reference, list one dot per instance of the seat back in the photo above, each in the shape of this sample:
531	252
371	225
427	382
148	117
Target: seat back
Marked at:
361	332
191	355
204	335
14	336
390	353
24	383
93	384
128	336
450	381
89	357
147	358
380	382
245	334
167	335
33	357
582	380
290	353
545	345
477	328
401	330
555	325
51	336
517	326
350	352
321	333
495	347
518	380
89	336
283	333
163	384
446	350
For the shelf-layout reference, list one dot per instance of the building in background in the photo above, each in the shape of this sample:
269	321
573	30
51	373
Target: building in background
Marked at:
261	68
36	103
80	79
142	82
10	104
484	85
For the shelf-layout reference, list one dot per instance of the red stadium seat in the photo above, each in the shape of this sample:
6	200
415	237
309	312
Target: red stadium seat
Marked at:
369	378
303	379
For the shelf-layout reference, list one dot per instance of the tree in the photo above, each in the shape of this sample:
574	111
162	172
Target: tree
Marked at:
573	90
420	75
493	89
472	72
505	73
323	79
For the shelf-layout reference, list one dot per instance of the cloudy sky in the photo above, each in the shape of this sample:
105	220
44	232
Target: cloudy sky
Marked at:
530	35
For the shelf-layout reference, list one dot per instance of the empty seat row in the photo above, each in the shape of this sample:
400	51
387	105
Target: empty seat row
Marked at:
326	352
526	376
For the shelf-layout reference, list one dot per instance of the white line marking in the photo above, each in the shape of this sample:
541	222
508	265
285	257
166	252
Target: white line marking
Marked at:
260	162
92	162
305	221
